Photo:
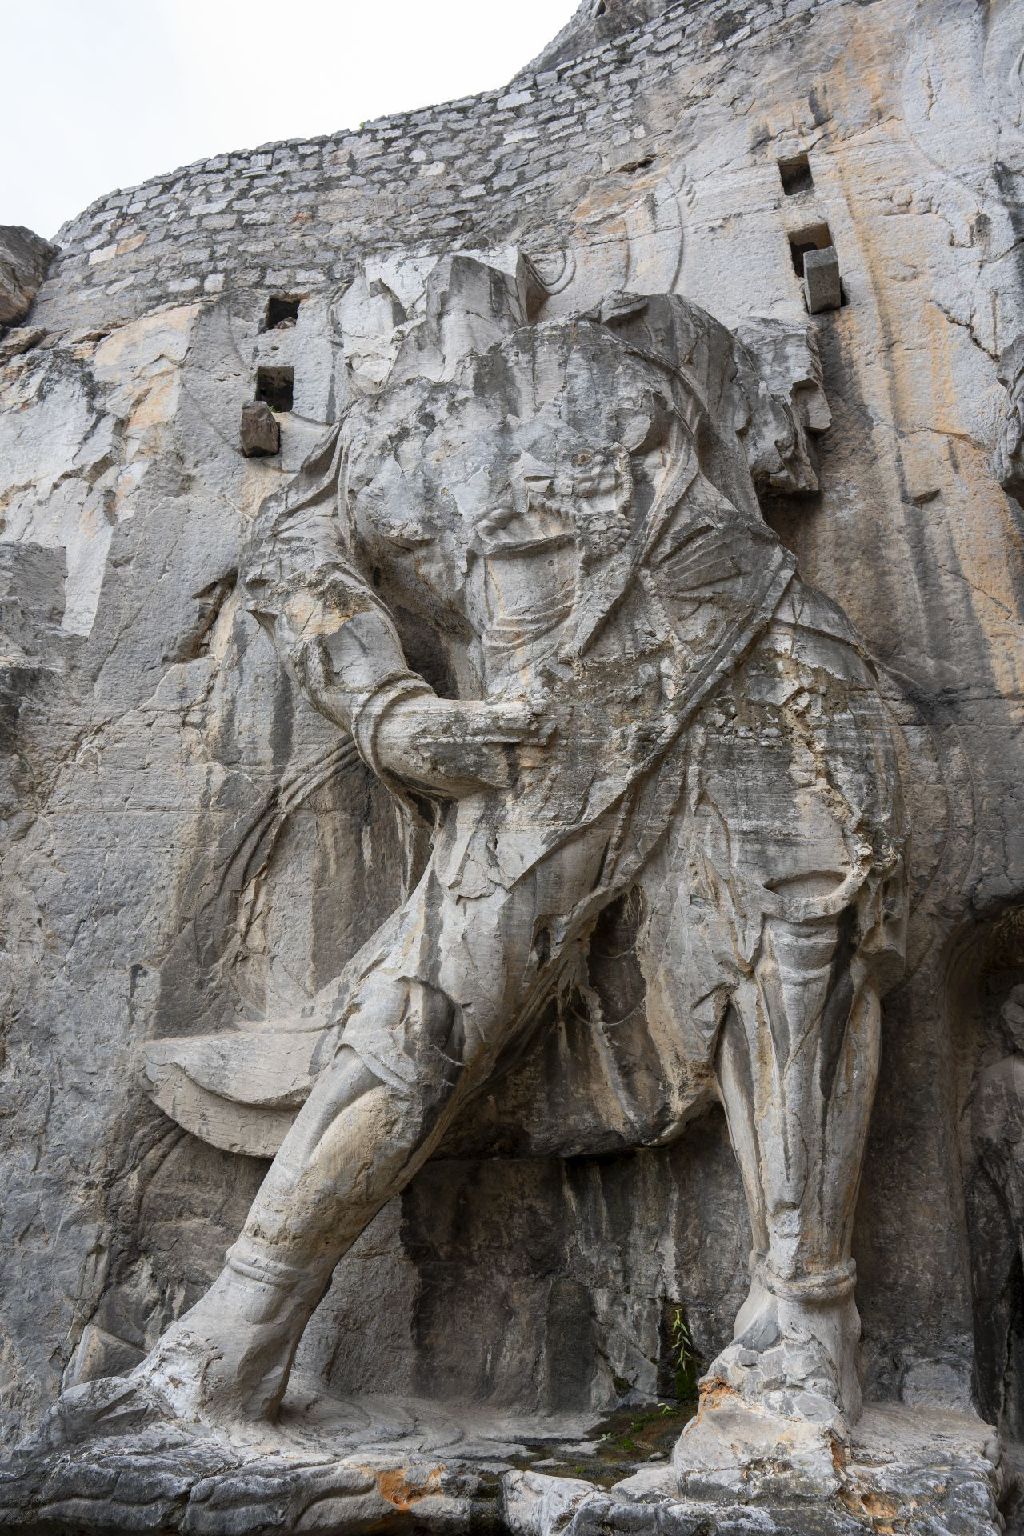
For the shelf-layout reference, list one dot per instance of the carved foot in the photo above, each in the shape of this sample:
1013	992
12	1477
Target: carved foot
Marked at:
791	1371
794	1352
228	1359
225	1375
776	1405
109	1407
225	1364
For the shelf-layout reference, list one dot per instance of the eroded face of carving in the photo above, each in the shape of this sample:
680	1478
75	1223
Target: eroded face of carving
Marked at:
538	461
507	491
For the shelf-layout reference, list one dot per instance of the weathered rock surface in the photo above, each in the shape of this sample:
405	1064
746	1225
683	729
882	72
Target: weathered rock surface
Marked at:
182	854
25	259
1009	454
388	1465
925	1473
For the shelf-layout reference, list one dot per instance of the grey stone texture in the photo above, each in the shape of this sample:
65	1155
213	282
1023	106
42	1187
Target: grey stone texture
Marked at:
1009	453
25	259
189	848
416	1467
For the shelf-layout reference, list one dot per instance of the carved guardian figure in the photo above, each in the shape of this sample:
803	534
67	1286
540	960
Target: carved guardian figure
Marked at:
623	683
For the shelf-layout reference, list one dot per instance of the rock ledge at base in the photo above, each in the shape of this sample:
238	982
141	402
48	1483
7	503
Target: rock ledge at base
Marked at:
387	1465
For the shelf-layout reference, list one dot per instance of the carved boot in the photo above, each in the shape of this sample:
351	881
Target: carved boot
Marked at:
794	1349
225	1363
229	1358
777	1403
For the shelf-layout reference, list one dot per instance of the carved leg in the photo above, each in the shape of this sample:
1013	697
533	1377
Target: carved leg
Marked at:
424	1024
357	1142
797	1066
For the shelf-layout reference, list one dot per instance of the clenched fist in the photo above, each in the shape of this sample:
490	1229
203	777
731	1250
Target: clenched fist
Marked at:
451	746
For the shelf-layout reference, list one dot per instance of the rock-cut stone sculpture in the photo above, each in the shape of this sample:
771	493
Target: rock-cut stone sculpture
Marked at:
626	685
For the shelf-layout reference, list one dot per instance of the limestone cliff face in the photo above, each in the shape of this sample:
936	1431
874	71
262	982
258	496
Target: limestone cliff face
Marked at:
173	859
24	261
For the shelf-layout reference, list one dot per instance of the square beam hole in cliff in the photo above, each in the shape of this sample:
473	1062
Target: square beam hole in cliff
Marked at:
276	385
282	311
813	237
795	173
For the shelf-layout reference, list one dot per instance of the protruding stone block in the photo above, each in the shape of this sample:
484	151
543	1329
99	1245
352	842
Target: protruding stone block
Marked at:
822	285
260	431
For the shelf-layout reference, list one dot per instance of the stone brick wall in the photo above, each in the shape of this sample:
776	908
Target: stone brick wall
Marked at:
476	171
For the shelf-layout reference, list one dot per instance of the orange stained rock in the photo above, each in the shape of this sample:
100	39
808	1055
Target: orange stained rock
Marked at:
395	1486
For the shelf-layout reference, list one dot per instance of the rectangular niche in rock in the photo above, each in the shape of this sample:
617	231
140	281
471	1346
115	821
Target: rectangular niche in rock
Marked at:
811	237
276	385
795	172
282	311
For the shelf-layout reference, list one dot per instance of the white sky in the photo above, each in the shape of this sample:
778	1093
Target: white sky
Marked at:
98	94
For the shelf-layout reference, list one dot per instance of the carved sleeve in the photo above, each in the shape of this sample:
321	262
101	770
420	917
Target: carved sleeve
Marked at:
304	584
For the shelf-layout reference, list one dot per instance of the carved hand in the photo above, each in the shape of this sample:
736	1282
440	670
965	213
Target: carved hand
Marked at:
453	747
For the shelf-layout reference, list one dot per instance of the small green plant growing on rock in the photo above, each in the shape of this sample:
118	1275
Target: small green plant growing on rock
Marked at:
685	1359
